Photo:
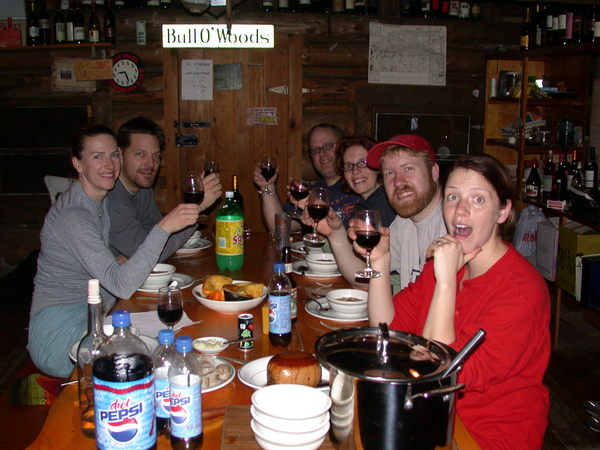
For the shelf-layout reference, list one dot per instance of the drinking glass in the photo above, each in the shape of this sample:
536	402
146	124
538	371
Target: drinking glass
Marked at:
267	170
211	167
170	305
318	207
299	189
367	226
193	189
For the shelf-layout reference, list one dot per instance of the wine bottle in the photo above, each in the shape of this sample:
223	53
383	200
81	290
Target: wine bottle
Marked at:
526	31
549	172
78	26
60	25
33	26
476	10
591	170
454	9
94	26
44	20
165	3
69	27
237	196
304	6
338	6
568	36
267	5
548	31
360	7
464	11
533	185
349	6
577	180
283	6
153	3
110	26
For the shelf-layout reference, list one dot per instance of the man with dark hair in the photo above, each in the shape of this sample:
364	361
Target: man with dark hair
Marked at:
131	205
322	142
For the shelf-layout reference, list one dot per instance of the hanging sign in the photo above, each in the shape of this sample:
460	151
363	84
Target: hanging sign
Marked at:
218	36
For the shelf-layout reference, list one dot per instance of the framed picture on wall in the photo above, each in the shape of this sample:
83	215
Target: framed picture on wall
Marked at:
63	77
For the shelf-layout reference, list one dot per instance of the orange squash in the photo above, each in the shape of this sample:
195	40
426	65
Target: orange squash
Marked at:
217	294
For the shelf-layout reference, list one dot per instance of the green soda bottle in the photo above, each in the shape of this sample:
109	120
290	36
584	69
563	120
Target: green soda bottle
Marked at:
229	242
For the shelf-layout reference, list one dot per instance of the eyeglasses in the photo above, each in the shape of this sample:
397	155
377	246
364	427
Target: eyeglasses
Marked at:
314	151
360	164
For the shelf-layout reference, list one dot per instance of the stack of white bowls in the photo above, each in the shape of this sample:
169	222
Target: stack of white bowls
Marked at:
290	416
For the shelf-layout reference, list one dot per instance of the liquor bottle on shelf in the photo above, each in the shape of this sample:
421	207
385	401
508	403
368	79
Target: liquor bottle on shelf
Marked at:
568	35
464	11
44	20
93	26
476	10
533	185
304	6
153	3
444	8
596	24
78	26
548	30
283	6
119	3
348	6
570	167
293	6
360	6
538	27
338	6
33	26
435	8
165	3
425	8
561	178
372	7
577	181
454	9
591	170
577	26
562	27
86	4
526	31
60	24
110	25
549	172
70	27
267	5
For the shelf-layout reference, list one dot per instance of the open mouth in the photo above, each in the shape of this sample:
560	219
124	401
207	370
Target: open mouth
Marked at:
462	231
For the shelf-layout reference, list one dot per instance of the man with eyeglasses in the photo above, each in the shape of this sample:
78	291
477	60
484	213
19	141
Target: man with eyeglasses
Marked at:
132	209
322	141
411	182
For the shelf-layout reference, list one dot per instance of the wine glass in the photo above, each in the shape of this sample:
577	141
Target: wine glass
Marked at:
211	167
299	189
318	207
367	226
267	170
193	189
170	305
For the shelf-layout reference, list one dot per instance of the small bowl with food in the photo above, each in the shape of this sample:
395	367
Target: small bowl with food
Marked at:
228	296
348	302
193	240
210	345
159	277
321	263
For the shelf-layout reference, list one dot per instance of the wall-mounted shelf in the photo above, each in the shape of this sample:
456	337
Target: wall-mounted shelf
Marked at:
26	48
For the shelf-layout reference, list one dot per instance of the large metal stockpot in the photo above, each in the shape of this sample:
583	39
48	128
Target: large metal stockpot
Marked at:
388	389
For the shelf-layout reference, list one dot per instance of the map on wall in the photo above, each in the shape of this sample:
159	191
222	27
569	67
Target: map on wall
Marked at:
407	54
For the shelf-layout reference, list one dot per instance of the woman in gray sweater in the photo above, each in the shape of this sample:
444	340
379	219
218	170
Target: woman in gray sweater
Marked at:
75	248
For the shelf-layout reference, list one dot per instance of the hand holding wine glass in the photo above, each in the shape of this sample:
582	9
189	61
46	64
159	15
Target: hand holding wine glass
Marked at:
268	166
318	206
170	305
367	226
299	189
211	167
193	189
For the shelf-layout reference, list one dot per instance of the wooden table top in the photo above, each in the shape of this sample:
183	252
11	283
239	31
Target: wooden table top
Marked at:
258	266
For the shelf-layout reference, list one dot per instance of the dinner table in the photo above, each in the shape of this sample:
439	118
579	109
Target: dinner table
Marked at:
226	410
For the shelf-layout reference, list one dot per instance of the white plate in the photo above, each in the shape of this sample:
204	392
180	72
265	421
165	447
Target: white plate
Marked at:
254	374
308	273
312	308
224	382
184	280
150	342
201	245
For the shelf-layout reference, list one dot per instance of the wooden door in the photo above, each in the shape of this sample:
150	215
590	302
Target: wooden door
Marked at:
236	145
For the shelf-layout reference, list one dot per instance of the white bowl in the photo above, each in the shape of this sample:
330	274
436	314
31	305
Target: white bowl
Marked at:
160	277
321	263
228	307
267	443
291	401
286	438
210	345
290	425
193	240
348	301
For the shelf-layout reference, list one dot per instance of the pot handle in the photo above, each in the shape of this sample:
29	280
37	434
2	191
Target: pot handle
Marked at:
408	399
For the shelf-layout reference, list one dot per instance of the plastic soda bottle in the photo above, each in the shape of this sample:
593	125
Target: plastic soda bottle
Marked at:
86	352
124	390
163	357
229	241
280	299
185	381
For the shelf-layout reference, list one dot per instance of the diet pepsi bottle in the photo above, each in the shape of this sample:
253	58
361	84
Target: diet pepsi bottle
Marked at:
163	356
185	382
280	299
124	390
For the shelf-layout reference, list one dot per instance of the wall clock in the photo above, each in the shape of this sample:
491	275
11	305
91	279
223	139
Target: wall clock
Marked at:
128	72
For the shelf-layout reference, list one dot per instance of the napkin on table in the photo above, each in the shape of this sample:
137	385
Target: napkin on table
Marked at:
149	324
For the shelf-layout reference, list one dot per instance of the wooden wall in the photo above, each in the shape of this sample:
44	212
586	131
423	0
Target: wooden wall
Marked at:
335	60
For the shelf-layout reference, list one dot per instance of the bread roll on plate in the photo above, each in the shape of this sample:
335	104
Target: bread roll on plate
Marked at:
294	368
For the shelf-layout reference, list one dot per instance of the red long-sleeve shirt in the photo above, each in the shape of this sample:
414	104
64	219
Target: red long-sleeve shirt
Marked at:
504	405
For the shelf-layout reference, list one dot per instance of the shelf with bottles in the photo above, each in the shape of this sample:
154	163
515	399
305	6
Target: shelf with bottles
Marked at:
25	48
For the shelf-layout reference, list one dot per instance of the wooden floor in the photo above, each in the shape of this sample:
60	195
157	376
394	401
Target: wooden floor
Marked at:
572	377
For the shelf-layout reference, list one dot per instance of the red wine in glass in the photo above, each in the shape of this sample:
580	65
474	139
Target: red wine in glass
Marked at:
318	212
170	313
299	194
193	197
267	171
368	239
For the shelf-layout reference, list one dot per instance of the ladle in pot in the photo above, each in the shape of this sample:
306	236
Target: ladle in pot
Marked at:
466	351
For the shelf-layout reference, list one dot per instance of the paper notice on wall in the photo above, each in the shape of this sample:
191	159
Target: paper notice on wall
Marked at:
196	79
261	116
407	54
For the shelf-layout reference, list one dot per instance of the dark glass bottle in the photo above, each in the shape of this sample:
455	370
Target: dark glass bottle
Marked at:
595	24
591	170
562	27
360	6
44	20
165	3
60	25
93	34
152	3
304	6
577	26
286	257
549	171
78	26
120	3
568	35
464	11
533	184
349	6
562	176
337	6
33	26
526	31
237	196
425	8
454	9
110	25
577	181
372	7
267	5
476	10
435	7
283	6
538	27
548	30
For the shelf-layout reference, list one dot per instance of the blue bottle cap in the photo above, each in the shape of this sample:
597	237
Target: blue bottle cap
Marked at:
184	344
279	267
121	319
166	337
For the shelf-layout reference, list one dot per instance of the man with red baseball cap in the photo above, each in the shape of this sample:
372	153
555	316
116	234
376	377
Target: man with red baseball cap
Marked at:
411	181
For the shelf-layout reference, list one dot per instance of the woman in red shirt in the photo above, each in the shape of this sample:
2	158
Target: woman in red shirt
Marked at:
475	279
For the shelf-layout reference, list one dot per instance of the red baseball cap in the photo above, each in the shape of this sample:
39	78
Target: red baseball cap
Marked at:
411	141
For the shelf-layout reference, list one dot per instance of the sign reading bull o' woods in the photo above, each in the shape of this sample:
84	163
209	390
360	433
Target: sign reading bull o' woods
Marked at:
218	36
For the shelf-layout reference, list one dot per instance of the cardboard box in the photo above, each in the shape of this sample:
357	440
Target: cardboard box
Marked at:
574	239
547	248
